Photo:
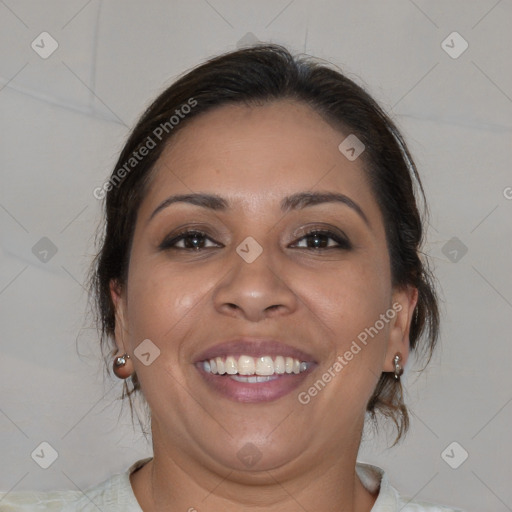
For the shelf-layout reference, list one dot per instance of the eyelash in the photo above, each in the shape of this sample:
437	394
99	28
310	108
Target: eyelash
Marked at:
343	243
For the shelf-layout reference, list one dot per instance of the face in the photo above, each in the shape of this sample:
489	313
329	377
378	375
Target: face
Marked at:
281	277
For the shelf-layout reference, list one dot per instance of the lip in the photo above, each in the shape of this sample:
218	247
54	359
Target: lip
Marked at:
253	393
268	391
254	347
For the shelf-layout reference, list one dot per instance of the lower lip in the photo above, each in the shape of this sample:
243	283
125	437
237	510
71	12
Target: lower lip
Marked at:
254	392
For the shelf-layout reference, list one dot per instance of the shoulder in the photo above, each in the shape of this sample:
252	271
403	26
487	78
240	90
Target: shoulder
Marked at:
113	495
53	501
388	498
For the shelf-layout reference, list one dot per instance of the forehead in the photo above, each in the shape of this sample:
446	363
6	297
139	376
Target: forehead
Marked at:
255	155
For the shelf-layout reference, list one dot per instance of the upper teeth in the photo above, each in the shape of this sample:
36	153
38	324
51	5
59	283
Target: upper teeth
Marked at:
247	365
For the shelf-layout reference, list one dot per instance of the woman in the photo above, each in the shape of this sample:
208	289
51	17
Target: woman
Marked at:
261	280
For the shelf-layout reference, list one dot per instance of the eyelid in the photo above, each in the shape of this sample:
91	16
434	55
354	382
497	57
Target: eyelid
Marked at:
340	239
170	241
319	227
335	234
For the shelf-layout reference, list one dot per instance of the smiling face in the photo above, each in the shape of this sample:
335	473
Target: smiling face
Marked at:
272	173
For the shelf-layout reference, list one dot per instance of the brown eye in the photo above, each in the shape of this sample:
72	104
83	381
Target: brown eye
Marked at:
188	240
323	240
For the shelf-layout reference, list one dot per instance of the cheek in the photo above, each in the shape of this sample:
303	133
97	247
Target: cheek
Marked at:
347	306
348	298
163	307
161	302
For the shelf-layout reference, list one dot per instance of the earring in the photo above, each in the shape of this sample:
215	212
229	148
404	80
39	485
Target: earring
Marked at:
119	363
398	368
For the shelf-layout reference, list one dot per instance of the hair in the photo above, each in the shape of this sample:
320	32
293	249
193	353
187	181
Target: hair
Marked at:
254	76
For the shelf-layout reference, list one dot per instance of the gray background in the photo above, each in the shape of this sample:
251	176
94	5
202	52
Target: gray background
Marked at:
64	120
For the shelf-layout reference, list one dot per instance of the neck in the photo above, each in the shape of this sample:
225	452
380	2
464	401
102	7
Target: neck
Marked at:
172	481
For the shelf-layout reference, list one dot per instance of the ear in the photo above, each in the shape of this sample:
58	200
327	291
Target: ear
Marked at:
404	304
118	299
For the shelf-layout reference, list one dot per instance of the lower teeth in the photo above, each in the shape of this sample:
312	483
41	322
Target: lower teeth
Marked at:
252	379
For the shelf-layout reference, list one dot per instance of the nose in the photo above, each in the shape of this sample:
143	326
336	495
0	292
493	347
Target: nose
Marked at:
254	291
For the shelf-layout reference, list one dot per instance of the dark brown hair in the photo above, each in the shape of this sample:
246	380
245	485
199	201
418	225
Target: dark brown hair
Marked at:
254	76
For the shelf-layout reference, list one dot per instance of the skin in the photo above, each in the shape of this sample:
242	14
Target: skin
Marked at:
318	300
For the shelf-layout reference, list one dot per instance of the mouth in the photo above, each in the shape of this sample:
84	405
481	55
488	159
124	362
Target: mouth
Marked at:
254	371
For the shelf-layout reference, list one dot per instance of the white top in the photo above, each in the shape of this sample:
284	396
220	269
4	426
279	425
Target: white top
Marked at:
115	495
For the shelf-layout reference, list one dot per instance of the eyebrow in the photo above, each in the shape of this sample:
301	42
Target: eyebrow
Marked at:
296	201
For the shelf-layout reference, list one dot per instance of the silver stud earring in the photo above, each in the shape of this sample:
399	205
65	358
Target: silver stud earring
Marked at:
119	362
398	368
